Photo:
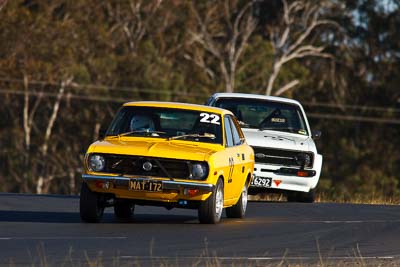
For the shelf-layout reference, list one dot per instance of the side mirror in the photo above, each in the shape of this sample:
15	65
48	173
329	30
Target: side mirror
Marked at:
102	133
316	135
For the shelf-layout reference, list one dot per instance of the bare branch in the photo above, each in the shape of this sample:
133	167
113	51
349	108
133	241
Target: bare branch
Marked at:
204	37
199	61
284	38
294	7
133	20
27	128
227	11
306	50
207	43
3	3
29	114
54	114
241	14
311	14
307	33
275	71
34	108
293	39
231	44
250	26
287	87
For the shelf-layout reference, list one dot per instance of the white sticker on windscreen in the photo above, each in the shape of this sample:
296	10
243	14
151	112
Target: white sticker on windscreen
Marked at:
209	118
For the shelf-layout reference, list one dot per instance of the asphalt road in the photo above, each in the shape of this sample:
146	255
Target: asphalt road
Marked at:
45	230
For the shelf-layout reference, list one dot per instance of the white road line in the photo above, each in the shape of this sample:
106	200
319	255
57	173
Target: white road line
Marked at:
313	221
257	258
62	238
325	258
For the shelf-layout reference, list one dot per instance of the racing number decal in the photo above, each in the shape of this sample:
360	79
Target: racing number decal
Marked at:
231	167
209	118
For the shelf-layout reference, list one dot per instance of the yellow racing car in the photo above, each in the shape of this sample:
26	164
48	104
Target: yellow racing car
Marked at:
168	154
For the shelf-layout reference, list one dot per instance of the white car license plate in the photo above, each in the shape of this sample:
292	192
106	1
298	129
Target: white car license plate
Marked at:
261	182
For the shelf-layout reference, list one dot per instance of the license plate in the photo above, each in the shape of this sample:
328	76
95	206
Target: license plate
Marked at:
145	185
261	182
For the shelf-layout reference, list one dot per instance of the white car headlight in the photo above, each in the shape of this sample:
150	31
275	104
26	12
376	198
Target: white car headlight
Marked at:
96	163
307	159
199	171
303	159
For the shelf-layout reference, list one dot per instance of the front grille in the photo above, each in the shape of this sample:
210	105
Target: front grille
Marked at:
134	165
280	157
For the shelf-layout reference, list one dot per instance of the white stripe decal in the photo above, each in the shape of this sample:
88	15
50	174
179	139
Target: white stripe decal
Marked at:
62	238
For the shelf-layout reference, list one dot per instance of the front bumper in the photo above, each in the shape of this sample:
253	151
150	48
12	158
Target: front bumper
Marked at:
280	181
284	182
166	184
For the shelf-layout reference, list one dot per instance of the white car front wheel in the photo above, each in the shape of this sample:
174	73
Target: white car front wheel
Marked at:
304	197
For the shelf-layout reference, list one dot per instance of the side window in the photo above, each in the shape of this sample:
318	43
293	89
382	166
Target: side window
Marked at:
228	132
235	133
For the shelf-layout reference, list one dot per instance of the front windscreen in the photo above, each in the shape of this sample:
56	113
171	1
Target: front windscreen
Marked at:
265	115
168	123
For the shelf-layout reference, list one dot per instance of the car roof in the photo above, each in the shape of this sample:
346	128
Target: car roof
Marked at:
255	96
178	105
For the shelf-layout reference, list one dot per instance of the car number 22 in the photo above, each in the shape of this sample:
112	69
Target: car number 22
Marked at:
261	182
209	118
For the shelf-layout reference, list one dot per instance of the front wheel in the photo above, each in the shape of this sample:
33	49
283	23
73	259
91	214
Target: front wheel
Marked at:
239	209
304	197
91	205
210	210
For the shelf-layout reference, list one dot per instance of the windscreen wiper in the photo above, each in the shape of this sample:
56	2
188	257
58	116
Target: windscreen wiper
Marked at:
141	131
206	135
268	128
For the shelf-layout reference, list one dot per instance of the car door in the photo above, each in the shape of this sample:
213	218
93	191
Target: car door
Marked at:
239	155
233	177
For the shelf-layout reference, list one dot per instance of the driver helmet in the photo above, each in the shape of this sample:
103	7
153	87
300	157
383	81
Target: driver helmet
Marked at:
142	123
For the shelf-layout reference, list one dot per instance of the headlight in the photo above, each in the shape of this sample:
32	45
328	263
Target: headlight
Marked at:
199	171
96	163
303	159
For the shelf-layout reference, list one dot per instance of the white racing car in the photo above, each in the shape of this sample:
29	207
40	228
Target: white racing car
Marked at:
286	157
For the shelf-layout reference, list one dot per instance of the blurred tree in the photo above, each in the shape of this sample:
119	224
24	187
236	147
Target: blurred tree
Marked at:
222	32
67	65
293	35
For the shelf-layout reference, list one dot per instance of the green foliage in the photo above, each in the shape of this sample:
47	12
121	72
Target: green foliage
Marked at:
114	53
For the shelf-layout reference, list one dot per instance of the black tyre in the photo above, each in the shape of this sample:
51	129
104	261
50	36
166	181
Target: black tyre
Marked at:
304	197
124	209
210	210
291	197
308	197
91	205
239	209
